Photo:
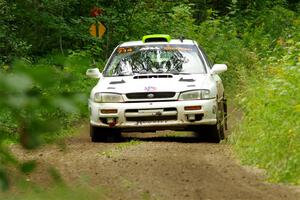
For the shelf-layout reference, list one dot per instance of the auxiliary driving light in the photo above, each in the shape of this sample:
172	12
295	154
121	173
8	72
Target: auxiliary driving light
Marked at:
192	108
109	111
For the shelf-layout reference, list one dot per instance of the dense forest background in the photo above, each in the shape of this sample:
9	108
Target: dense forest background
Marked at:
31	28
45	49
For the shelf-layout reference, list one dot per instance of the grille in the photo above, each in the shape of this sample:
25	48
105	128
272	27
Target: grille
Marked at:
151	118
137	110
150	95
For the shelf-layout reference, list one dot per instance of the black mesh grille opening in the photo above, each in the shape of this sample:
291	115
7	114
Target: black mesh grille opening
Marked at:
199	117
132	111
150	95
137	110
170	109
151	118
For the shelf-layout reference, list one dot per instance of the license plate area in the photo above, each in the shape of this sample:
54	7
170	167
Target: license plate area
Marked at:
151	116
151	122
151	111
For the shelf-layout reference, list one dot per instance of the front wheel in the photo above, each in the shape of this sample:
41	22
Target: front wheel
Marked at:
217	131
214	133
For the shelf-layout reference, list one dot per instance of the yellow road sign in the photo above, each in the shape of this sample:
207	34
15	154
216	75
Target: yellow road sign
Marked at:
97	30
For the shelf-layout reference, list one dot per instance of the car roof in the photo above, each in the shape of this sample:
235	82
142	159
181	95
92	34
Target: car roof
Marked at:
173	41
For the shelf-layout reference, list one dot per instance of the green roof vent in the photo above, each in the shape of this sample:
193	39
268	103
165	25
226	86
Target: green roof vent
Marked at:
156	38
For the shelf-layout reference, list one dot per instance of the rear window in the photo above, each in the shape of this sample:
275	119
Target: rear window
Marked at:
174	59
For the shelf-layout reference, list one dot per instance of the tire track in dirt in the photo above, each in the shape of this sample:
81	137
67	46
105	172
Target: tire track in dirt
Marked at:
156	166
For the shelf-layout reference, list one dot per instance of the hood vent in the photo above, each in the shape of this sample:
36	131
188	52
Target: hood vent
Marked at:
186	80
153	76
117	82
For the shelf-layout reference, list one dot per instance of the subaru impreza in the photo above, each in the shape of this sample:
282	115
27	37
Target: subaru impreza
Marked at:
158	83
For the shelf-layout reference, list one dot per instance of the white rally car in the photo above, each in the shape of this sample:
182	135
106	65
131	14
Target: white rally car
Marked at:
158	83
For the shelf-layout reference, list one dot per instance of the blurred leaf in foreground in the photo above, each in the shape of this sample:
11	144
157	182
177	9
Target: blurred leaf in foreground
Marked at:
36	99
28	166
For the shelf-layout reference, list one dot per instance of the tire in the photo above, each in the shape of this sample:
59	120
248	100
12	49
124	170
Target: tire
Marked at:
104	134
217	131
214	133
225	113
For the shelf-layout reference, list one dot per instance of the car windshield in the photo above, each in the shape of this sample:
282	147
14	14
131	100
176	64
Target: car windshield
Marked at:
174	59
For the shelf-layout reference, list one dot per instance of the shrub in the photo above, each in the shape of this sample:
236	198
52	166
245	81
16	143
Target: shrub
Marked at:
269	136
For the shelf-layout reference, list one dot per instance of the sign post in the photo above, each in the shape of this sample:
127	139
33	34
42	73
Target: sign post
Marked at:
97	29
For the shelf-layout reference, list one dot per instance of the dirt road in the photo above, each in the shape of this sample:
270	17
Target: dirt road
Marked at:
157	166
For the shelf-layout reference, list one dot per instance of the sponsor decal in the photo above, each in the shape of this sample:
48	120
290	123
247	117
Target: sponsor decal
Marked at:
150	88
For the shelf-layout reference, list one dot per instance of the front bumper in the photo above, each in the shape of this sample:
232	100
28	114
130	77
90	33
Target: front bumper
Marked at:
153	115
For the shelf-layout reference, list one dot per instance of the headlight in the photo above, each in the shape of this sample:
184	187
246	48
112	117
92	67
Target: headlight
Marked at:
108	98
195	94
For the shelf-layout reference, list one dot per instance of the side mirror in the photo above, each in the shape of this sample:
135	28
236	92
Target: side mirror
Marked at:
93	73
218	68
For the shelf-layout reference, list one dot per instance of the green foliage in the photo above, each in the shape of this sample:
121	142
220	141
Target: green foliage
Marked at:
38	101
269	134
220	37
182	23
58	192
28	166
31	95
36	28
149	17
4	181
10	44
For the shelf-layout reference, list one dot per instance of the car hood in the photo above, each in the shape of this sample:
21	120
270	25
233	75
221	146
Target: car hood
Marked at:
162	83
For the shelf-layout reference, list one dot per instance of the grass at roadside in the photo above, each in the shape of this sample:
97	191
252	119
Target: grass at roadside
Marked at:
263	57
269	135
58	192
119	148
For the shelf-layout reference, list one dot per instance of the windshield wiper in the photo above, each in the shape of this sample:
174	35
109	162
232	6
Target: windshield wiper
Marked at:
176	72
140	72
180	73
122	74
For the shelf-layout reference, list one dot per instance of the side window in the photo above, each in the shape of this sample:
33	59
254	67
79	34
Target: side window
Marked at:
207	60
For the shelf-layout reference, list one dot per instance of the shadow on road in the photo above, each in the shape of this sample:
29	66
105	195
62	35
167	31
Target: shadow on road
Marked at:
169	139
185	137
